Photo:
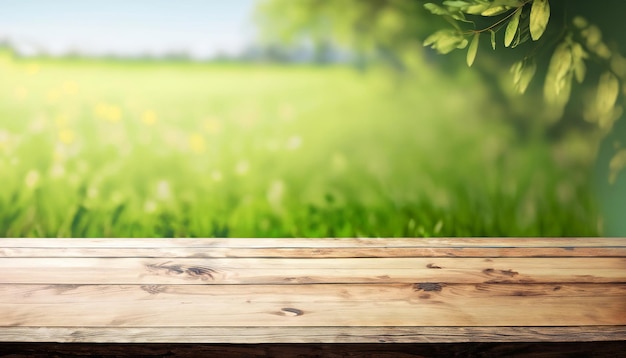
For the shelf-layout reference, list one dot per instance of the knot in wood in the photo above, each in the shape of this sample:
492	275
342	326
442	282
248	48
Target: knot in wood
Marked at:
428	287
288	311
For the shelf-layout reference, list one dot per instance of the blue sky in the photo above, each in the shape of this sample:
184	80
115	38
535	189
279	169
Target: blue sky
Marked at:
127	27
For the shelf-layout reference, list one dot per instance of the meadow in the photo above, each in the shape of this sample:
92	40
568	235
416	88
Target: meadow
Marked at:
103	148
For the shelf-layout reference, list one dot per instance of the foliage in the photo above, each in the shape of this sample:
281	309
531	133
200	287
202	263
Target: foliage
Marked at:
576	44
560	42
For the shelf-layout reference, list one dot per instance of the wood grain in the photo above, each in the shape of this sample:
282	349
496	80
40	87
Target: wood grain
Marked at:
312	290
322	252
297	271
506	242
326	334
312	305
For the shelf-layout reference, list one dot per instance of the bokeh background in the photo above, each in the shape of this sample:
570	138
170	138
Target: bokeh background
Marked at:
271	119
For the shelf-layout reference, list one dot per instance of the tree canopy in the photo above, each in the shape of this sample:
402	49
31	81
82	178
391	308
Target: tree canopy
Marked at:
567	51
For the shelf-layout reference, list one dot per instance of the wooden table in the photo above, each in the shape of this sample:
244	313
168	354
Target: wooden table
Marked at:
312	290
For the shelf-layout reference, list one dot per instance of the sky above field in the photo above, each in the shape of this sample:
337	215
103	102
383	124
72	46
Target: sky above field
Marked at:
201	28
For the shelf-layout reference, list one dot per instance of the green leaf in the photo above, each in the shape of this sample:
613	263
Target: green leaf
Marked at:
462	44
563	68
456	3
617	164
476	9
594	43
539	16
580	22
578	58
436	9
602	50
517	40
608	89
593	35
432	39
510	3
618	65
516	70
557	86
580	69
511	28
523	73
473	49
445	41
496	10
493	39
459	16
526	77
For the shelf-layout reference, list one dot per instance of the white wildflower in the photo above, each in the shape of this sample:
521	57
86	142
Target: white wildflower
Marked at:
242	167
150	206
163	190
32	178
216	175
275	194
294	142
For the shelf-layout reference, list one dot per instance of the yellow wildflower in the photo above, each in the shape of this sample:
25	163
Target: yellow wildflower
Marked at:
149	117
109	112
196	143
66	136
32	69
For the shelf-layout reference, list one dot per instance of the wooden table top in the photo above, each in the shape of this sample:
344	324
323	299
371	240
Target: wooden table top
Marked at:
312	290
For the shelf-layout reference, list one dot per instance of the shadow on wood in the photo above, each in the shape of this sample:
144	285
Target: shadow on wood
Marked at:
518	350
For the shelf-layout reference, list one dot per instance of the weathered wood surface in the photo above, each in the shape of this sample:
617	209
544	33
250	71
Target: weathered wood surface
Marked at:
297	271
312	305
312	290
259	335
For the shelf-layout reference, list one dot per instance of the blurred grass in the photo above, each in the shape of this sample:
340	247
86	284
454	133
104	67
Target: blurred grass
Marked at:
93	148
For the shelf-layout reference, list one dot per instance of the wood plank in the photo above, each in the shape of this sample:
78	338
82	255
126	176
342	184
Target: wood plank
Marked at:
313	305
300	290
292	271
342	252
507	242
234	335
63	294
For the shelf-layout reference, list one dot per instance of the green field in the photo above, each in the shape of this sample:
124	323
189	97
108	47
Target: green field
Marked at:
94	148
